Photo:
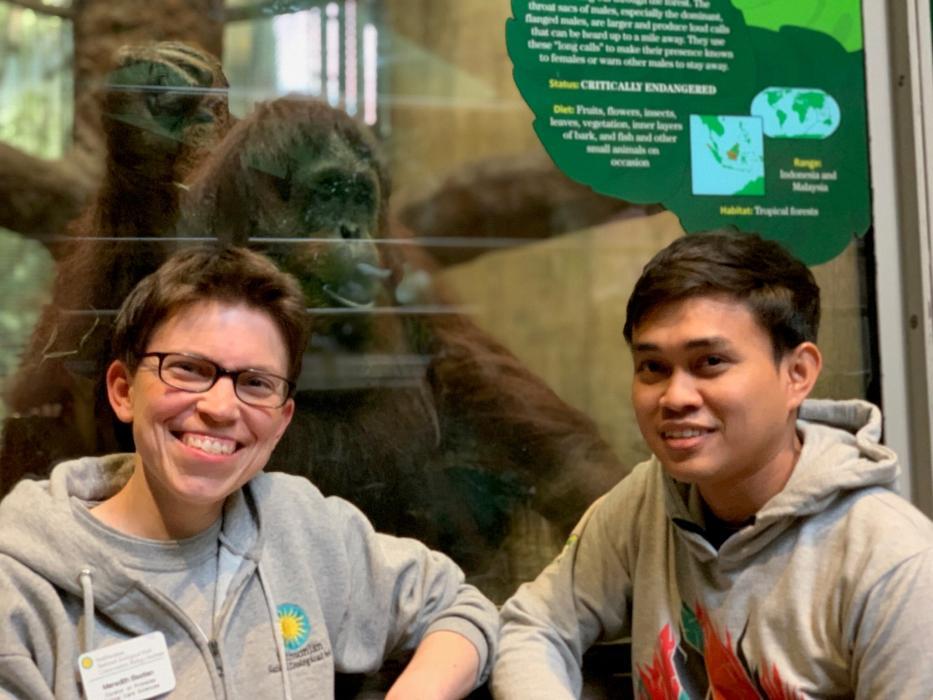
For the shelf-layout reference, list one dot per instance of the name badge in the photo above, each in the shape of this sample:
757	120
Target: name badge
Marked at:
139	669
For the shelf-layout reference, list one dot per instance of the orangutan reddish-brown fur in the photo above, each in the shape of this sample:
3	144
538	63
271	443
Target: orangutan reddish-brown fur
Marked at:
404	406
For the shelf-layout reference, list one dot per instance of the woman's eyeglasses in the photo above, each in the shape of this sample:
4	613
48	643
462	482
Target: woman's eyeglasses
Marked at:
198	374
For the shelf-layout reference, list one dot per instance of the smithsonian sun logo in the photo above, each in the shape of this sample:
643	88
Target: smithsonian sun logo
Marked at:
295	626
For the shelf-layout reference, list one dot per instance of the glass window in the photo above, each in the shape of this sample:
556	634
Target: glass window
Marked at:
466	384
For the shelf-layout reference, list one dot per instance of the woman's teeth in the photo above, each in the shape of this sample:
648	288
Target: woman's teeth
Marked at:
214	446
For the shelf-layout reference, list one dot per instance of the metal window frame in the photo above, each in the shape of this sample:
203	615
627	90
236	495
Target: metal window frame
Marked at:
899	77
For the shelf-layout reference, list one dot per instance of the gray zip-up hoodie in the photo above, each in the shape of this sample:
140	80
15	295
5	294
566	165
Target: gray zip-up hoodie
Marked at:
356	597
827	593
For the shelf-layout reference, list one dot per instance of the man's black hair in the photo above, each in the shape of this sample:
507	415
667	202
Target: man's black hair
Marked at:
778	289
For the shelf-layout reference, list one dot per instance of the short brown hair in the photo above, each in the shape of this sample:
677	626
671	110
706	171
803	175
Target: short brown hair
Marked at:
211	273
778	289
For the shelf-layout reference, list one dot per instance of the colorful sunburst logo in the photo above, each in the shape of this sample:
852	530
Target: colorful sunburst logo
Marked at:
295	626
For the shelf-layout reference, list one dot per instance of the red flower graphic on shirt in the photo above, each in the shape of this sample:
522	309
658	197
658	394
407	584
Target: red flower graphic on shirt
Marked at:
659	679
728	678
774	687
728	674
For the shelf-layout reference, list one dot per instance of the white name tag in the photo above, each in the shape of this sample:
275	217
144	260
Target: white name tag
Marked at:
139	669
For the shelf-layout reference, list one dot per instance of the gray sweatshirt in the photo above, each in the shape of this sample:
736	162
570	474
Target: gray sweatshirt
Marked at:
353	597
827	593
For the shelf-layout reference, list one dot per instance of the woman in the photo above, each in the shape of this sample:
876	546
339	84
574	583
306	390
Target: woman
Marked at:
258	585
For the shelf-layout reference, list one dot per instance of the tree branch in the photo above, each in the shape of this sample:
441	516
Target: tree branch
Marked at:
43	9
38	197
267	8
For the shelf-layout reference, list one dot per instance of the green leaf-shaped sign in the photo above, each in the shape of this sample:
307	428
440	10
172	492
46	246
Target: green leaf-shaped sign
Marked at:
681	102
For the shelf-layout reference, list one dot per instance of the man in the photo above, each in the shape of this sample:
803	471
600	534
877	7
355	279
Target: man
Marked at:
183	567
761	552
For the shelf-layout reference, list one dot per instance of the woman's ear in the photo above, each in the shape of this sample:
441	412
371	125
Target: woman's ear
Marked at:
120	390
802	365
288	411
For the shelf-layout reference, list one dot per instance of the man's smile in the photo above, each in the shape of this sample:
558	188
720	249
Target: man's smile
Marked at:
677	433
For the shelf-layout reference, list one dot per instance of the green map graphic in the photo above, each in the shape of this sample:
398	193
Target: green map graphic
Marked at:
796	113
727	155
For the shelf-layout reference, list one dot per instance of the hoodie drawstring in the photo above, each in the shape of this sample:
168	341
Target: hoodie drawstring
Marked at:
276	630
87	591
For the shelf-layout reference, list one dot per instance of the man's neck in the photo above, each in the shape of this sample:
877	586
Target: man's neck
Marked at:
718	530
736	500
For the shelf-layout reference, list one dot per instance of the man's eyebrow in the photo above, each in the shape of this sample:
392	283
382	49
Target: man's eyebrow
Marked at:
713	342
645	347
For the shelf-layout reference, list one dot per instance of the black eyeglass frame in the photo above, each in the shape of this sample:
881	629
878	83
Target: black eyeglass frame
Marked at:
220	373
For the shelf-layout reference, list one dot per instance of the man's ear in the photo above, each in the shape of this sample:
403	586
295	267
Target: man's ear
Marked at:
119	390
802	366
